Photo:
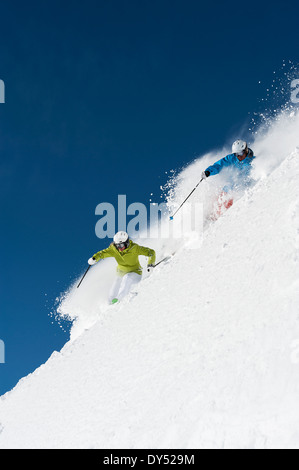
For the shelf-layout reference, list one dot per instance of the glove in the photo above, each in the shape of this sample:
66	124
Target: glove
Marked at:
150	268
91	261
205	174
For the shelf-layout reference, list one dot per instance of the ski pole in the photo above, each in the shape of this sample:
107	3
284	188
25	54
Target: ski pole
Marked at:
83	276
172	216
164	259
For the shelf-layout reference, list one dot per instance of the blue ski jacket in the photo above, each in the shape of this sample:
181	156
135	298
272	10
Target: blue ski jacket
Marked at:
242	169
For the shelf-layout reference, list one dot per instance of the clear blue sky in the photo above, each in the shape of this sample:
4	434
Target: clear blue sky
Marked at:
101	99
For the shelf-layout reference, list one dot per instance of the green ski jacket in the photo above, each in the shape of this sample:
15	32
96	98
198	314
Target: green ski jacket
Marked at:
127	260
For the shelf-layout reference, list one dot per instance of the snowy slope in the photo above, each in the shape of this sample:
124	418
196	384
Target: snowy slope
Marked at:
203	357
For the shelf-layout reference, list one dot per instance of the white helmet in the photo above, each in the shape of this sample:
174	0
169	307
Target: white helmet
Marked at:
121	240
239	146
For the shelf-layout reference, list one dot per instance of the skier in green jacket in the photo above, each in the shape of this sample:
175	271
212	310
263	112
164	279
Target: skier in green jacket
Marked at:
129	271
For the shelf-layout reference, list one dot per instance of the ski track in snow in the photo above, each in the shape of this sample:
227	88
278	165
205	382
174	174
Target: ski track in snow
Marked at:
202	357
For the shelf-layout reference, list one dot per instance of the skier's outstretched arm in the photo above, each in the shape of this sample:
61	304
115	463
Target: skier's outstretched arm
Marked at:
144	251
217	167
107	253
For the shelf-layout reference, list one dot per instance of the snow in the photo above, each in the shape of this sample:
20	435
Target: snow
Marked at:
206	356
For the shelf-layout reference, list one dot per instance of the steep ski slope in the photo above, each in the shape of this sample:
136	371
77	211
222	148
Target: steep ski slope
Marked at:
271	145
201	358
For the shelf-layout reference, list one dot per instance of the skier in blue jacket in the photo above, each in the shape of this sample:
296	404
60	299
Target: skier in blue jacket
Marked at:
240	161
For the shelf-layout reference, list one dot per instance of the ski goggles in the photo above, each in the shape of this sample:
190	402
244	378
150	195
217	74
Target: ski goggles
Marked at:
122	246
241	154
